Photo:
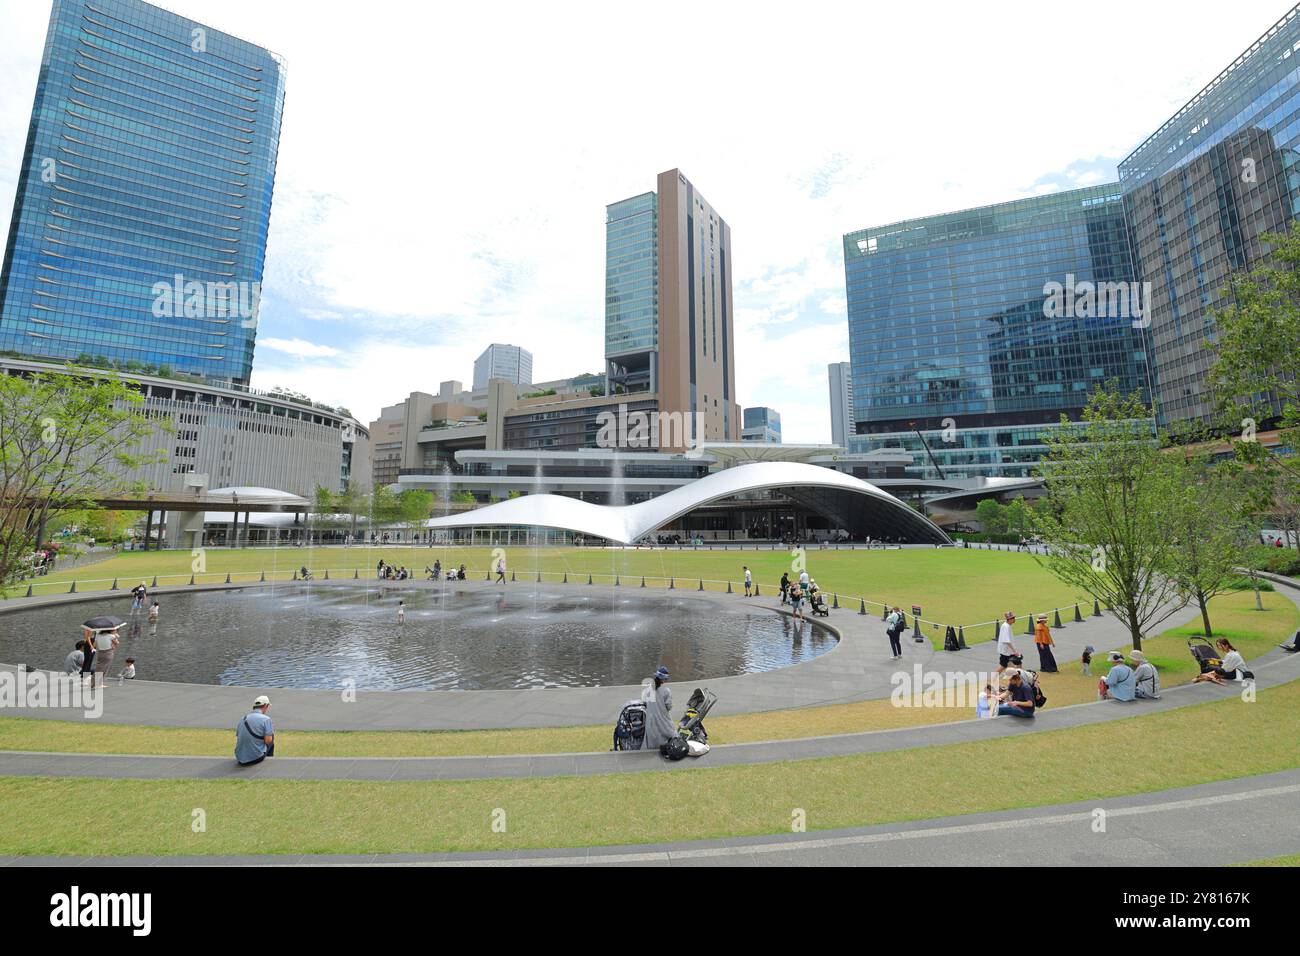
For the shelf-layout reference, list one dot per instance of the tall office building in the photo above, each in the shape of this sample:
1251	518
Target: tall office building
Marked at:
762	424
987	325
840	378
139	228
668	306
510	362
1201	191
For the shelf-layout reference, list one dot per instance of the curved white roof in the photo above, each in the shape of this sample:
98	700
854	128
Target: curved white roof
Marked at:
248	491
627	523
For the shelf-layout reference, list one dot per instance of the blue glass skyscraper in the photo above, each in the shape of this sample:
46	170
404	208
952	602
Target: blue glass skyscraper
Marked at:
140	224
1200	193
984	326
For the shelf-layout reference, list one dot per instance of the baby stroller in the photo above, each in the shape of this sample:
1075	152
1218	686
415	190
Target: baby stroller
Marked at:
629	732
1204	653
691	726
819	606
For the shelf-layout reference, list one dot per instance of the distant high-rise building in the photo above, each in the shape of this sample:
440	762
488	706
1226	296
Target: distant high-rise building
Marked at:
840	377
762	424
510	362
984	326
668	306
1199	194
140	224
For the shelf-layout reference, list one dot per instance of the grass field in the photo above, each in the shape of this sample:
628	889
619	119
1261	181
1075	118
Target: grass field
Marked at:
1253	632
1133	755
958	587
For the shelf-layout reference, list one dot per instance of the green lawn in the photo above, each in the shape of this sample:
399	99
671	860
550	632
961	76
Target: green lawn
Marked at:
961	587
1133	755
1253	632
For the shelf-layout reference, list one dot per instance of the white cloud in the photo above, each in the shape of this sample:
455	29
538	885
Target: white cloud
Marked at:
298	347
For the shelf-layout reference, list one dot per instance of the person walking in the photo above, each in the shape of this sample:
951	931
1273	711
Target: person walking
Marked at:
1006	644
749	581
401	612
501	570
1043	641
894	628
658	700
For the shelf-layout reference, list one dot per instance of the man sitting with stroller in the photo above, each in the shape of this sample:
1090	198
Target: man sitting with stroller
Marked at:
304	573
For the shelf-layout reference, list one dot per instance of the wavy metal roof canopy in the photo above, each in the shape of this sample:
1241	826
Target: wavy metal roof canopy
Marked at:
853	504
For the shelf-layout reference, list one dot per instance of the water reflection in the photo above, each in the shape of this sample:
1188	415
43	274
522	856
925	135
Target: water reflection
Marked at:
452	638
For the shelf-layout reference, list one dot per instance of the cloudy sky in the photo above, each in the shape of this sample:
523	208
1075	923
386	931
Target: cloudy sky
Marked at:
444	167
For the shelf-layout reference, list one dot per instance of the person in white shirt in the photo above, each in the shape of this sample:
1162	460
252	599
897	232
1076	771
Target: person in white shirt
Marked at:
128	672
1233	666
106	644
803	580
401	612
1006	646
749	581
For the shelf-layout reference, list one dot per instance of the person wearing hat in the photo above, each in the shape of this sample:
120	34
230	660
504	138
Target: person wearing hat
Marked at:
658	700
1018	699
1120	683
255	735
1043	641
1145	679
1006	646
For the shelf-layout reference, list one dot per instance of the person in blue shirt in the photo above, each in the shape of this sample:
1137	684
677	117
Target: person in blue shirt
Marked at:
255	735
1121	682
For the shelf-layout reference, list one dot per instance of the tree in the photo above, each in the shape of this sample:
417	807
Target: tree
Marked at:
1210	527
1111	497
414	507
65	440
323	503
1257	369
991	516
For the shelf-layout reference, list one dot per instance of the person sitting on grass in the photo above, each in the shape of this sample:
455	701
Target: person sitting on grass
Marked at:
1232	667
1120	683
1018	699
1146	682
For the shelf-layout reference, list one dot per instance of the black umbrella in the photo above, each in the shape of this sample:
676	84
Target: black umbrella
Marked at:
104	623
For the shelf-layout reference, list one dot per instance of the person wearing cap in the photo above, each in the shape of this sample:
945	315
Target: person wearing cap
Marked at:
1120	684
1145	679
255	735
658	700
1018	699
1006	646
1043	641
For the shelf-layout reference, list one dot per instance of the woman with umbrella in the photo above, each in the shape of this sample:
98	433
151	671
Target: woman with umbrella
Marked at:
102	642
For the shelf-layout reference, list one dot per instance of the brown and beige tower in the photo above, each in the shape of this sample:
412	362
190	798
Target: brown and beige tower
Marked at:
668	309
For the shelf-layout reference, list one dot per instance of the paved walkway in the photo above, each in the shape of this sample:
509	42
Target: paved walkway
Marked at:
1271	670
858	668
1230	821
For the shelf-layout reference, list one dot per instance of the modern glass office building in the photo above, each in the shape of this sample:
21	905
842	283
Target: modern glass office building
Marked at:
762	424
1006	315
1201	191
632	291
510	362
139	229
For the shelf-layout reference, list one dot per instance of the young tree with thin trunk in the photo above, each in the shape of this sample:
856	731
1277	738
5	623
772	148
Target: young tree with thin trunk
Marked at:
65	440
1111	497
1210	528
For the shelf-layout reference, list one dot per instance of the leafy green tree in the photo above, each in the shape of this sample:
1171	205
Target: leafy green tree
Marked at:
323	503
1111	499
65	440
992	516
1257	370
414	507
1210	527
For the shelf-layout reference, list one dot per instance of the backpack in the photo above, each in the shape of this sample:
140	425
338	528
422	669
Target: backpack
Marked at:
674	748
1040	699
